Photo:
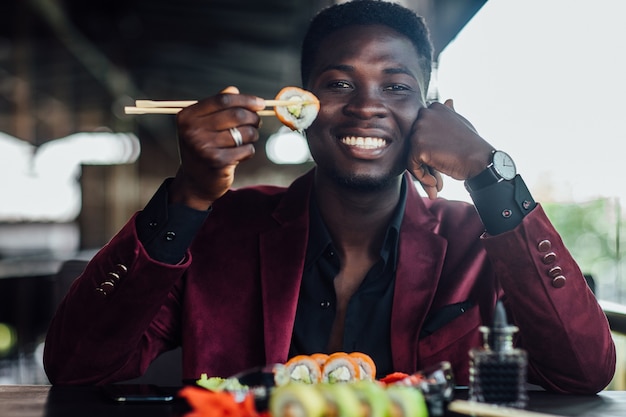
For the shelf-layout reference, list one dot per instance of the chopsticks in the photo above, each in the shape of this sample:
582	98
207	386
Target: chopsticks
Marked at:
174	106
489	410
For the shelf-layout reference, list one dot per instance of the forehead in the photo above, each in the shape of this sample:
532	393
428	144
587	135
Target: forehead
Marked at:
366	45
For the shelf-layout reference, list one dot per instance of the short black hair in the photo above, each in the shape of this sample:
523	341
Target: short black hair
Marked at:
366	12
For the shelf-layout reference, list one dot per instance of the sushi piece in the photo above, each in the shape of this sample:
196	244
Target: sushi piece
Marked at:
367	367
320	358
340	367
297	400
302	113
373	398
302	368
407	401
341	400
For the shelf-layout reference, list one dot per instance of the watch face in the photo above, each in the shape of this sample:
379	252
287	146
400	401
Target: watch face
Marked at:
504	165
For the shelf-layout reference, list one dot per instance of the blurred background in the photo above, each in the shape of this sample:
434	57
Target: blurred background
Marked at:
541	79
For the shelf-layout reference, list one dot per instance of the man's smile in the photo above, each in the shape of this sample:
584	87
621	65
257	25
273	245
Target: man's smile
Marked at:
367	142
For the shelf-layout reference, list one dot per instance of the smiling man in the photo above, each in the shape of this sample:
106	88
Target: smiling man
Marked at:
349	257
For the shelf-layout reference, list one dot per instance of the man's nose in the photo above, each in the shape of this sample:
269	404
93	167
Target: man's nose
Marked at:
365	104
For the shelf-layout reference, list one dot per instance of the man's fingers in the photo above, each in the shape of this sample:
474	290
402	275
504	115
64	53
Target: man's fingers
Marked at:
430	180
438	178
230	90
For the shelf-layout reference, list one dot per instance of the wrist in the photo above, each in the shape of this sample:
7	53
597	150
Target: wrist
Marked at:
180	192
500	168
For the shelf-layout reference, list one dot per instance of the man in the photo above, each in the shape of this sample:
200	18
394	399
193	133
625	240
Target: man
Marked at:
349	257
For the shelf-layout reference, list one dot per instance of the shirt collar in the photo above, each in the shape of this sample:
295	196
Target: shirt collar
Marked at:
320	240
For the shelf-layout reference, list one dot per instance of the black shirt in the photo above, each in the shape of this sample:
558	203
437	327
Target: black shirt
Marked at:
368	316
166	231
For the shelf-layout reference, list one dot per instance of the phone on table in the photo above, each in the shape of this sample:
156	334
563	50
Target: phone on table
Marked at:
132	393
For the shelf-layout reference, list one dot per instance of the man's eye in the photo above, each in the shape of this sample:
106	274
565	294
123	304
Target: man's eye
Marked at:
340	84
397	87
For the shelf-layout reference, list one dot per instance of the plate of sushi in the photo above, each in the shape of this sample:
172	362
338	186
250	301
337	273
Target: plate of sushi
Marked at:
323	385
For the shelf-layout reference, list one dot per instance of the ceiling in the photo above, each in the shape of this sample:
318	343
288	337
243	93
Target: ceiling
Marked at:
82	55
71	65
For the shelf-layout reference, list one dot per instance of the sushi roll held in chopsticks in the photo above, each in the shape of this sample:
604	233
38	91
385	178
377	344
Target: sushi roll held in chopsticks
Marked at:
294	107
301	113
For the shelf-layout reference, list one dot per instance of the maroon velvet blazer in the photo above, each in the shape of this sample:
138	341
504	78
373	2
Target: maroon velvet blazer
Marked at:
232	302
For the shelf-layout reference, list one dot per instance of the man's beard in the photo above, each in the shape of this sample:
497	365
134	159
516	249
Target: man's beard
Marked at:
363	183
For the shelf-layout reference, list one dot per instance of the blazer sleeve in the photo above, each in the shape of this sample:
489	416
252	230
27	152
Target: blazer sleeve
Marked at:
118	316
561	324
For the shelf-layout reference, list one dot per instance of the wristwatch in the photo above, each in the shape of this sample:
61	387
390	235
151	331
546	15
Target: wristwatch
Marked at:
499	169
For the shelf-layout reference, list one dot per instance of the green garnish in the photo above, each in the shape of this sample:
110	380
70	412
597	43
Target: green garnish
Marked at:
295	111
215	383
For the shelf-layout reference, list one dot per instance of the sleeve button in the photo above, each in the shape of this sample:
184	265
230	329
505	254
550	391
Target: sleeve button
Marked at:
113	276
548	258
555	272
108	285
559	281
544	245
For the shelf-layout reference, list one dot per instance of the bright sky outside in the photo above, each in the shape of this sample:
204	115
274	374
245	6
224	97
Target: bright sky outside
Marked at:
545	80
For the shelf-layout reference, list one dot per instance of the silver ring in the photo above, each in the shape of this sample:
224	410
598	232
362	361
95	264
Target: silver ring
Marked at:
236	134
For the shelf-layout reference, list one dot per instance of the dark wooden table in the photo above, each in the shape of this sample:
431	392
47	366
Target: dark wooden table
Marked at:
46	401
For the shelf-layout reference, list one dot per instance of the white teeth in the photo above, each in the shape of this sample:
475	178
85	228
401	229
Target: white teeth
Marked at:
364	142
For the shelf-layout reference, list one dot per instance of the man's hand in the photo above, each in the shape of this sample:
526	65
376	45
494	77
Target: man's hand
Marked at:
444	142
208	151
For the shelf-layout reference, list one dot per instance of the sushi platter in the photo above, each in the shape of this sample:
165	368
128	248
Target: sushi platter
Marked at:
320	385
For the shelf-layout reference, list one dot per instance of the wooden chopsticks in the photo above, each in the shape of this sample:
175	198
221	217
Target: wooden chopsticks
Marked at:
488	410
174	106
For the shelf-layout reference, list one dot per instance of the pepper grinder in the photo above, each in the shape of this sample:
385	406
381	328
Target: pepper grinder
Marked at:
497	369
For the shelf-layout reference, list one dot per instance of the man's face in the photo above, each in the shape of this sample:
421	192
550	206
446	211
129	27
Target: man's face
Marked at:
371	87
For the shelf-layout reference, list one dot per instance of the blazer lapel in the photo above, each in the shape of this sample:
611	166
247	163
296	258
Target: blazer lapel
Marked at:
283	251
420	260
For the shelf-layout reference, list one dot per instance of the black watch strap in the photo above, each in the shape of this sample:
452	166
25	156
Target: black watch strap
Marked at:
486	178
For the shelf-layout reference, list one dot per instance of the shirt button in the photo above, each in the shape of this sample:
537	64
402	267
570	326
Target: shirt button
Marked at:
170	236
544	245
153	224
325	304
